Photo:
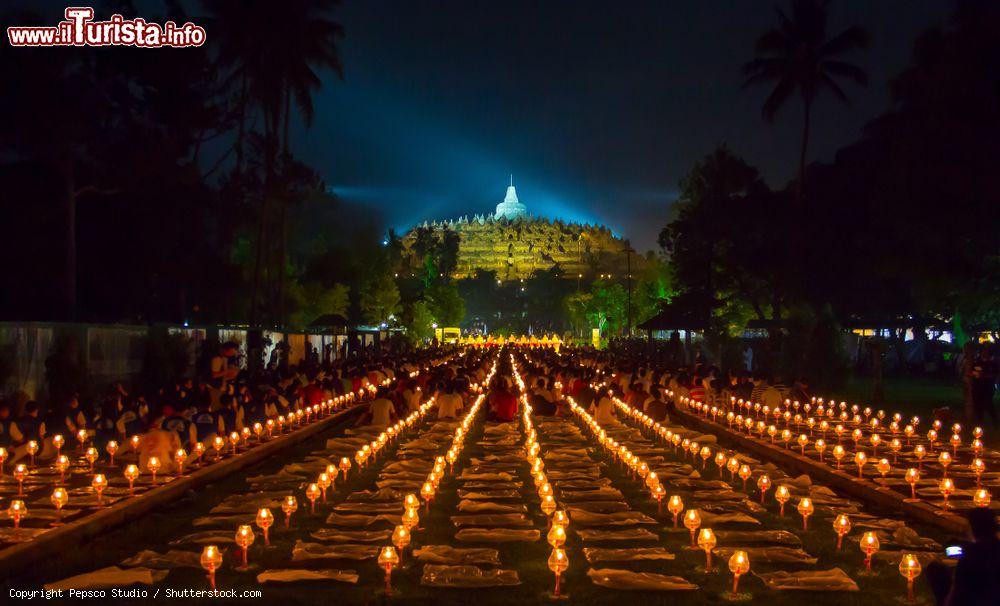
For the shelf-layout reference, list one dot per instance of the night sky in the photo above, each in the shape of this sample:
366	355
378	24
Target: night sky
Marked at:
597	108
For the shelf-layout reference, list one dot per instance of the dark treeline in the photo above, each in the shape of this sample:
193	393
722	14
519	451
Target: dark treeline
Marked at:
899	231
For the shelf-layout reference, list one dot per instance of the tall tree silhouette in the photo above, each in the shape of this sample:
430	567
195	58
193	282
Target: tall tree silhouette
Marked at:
273	58
798	57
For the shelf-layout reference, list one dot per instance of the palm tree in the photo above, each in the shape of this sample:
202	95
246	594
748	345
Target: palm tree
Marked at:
272	58
798	56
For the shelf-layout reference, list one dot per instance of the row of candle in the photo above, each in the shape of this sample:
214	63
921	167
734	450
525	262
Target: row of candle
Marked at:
558	561
211	557
909	566
981	497
390	556
17	510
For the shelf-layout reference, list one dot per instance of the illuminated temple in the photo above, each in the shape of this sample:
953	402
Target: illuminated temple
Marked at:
514	244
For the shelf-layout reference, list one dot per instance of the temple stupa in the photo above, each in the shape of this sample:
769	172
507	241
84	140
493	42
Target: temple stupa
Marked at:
511	208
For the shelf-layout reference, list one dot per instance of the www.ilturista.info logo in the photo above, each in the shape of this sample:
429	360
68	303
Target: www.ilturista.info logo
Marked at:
80	29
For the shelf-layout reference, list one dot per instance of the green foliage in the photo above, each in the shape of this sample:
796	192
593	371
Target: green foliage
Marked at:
312	300
446	304
418	322
603	306
379	299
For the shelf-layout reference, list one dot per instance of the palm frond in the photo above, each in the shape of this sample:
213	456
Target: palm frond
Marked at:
852	38
845	70
838	92
777	98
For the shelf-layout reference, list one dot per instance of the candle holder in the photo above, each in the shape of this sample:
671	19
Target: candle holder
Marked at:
401	538
805	508
909	567
153	465
692	520
3	459
59	498
912	477
264	520
131	473
675	506
32	449
388	559
62	464
763	484
99	483
211	559
244	539
739	565
946	487
558	563
707	542
290	505
312	493
17	510
869	545
842	526
180	457
91	456
782	496
20	472
111	448
324	481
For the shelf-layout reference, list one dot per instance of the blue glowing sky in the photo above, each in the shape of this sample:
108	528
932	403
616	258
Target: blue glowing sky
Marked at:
597	108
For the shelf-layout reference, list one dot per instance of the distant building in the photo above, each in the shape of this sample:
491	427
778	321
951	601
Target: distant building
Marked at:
514	244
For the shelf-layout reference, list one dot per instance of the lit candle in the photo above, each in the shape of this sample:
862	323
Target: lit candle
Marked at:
912	477
556	535
558	563
706	541
401	538
131	473
180	457
838	454
841	525
20	472
947	487
264	521
99	483
909	567
211	559
869	546
17	510
312	493
244	538
153	465
62	464
290	505
411	518
782	496
692	521
739	564
805	508
745	474
675	506
387	559
91	456
59	498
